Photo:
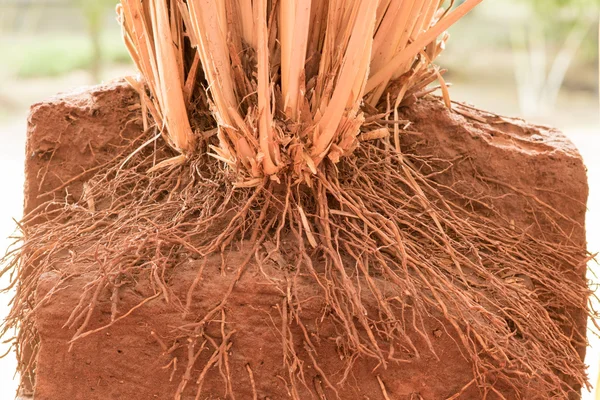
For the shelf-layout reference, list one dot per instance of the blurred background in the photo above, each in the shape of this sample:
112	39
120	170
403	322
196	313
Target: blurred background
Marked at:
536	59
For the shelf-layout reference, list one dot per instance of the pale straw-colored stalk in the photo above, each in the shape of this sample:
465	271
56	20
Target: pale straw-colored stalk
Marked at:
149	38
384	75
268	146
353	72
285	80
293	37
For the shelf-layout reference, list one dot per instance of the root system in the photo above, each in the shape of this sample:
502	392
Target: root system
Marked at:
380	213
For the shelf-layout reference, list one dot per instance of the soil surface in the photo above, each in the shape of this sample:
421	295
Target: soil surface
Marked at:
69	137
523	170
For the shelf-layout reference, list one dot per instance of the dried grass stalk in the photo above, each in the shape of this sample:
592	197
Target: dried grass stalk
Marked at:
153	35
285	80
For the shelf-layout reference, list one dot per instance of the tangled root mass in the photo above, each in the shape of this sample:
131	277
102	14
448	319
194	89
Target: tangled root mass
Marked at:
378	214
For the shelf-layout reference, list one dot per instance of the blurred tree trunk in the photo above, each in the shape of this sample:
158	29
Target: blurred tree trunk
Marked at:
96	41
94	11
539	73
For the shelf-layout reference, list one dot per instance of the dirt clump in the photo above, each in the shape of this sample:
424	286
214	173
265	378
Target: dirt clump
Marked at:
249	323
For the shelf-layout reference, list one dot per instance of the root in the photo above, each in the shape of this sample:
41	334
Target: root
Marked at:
510	297
252	382
383	390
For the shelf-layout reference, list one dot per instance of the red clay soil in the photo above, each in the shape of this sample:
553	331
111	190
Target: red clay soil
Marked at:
505	161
